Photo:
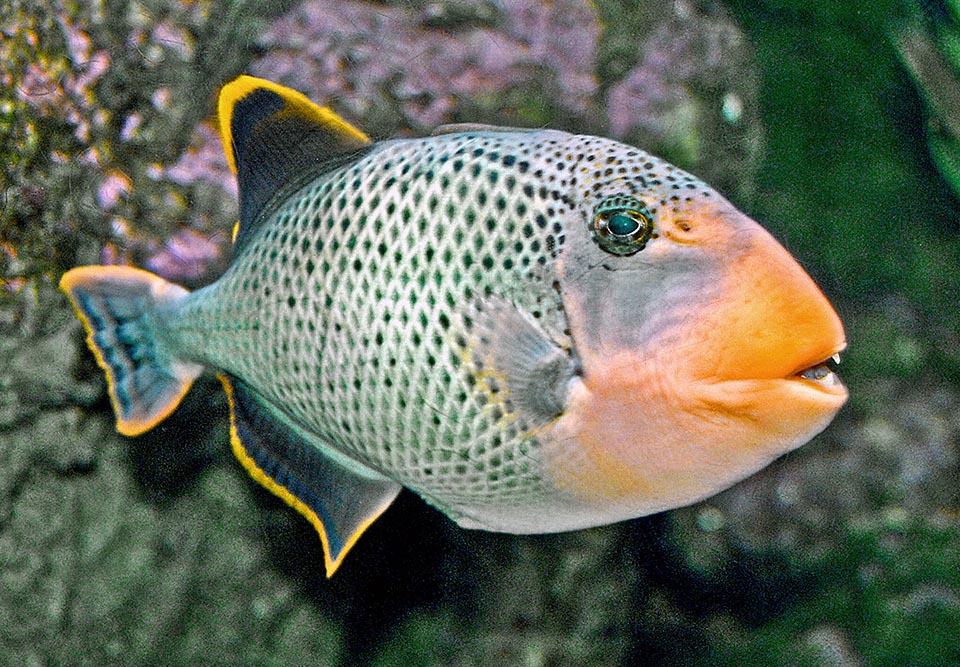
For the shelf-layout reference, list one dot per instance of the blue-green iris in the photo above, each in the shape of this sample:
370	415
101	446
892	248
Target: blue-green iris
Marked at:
622	225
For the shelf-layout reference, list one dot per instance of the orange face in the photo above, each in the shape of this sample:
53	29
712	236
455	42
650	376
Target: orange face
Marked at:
703	360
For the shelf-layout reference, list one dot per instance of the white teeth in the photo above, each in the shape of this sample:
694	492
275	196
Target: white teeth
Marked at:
823	374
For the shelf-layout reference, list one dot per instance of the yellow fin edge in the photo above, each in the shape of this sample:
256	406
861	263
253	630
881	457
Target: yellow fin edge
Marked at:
331	565
79	275
296	102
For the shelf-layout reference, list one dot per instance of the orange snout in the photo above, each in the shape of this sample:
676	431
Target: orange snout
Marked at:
770	319
731	378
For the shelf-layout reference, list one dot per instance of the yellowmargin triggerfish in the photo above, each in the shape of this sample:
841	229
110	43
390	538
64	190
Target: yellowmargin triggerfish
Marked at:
535	331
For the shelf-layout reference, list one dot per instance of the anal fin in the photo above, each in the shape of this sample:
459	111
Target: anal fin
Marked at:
340	502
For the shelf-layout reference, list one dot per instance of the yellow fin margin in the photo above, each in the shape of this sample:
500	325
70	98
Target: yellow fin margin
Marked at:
330	564
296	103
185	373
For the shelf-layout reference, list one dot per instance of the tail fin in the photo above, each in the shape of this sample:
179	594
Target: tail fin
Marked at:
118	306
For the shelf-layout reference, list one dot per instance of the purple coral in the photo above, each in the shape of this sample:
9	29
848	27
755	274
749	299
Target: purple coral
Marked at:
112	187
185	256
359	54
688	47
64	90
204	162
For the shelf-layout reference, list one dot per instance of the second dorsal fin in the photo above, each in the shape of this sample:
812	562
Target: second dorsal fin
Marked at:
457	128
276	140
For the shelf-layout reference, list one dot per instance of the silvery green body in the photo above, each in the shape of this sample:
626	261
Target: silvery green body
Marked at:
345	313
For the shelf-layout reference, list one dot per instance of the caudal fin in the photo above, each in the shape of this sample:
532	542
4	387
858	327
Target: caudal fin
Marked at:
120	308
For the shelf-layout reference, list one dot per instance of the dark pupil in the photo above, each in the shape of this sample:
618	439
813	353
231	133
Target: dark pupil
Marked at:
622	224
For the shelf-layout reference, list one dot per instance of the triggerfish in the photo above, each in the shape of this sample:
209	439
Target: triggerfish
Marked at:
534	331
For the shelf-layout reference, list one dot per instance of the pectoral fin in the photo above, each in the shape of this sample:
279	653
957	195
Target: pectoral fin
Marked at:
341	500
516	362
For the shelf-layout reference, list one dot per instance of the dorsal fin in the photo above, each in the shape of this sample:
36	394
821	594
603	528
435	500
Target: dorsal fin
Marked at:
276	140
457	128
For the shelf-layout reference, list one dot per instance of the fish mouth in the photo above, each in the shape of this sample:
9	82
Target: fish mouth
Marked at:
822	375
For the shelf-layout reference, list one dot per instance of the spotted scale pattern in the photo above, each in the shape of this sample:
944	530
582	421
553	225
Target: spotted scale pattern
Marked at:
349	308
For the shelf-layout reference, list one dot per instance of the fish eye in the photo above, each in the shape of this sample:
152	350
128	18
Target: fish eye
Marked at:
622	225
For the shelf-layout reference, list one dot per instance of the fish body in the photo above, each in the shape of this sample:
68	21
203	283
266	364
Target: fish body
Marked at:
534	331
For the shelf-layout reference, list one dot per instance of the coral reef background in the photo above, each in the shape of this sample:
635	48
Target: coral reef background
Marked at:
817	117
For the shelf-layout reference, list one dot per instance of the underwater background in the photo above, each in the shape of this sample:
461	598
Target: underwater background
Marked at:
835	123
